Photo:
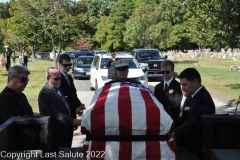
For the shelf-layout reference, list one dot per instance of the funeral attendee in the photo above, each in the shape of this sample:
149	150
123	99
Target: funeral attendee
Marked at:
53	103
12	101
67	86
168	91
189	127
122	67
24	57
111	69
7	54
125	121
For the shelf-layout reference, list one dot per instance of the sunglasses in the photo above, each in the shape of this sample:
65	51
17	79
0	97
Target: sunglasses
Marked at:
65	65
57	79
167	72
22	79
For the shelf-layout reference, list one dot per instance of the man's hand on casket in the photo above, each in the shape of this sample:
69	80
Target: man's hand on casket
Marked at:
80	109
76	122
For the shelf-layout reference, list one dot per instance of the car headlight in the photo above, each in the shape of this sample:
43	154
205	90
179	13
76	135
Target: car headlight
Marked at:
104	78
142	78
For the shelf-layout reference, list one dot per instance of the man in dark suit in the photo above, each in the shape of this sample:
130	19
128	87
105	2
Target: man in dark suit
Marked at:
168	91
67	86
13	102
7	54
52	102
188	130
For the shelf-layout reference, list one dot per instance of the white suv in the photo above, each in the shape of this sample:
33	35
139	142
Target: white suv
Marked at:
99	71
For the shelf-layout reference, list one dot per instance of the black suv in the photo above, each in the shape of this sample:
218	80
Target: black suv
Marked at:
150	60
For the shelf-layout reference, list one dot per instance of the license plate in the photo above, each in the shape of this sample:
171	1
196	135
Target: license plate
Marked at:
88	73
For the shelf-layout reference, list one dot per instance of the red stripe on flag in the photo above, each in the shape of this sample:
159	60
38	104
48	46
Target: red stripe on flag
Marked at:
125	121
153	126
98	120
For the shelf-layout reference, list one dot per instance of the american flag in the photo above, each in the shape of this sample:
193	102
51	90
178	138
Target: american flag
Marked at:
126	108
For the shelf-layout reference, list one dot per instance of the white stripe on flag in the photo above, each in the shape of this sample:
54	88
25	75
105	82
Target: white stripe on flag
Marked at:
111	111
138	112
138	150
86	121
112	150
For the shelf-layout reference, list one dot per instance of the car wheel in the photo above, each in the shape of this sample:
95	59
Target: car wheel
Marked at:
96	85
91	87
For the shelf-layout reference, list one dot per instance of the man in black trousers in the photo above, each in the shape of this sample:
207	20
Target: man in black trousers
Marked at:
7	55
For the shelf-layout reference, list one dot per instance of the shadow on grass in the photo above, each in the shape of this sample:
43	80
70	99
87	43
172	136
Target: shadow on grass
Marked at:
233	86
186	61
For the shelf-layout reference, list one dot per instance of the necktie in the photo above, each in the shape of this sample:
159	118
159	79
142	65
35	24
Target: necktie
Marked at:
66	77
64	100
165	87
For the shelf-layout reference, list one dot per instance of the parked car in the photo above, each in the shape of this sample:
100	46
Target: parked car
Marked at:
99	52
68	52
150	61
121	52
82	66
45	56
78	53
99	71
39	55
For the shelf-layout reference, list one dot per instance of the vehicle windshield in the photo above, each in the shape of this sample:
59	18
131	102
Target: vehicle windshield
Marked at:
85	60
77	54
133	64
147	55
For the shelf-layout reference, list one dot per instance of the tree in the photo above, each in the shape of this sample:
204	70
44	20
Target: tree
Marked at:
137	33
4	13
57	22
218	20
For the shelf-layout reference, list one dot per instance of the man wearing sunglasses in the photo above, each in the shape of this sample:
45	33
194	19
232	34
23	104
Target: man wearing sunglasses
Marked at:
122	71
52	102
12	101
67	86
168	91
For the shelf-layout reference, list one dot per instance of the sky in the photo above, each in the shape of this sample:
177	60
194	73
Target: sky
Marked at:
3	1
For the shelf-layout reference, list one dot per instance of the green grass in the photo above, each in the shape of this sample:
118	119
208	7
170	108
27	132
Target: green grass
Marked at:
215	73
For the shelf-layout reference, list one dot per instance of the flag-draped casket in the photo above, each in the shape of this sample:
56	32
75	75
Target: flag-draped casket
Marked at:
126	108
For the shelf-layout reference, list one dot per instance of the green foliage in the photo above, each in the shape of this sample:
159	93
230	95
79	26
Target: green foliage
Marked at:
115	26
4	14
217	21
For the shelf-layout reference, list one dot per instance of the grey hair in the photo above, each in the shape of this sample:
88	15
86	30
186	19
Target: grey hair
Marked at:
49	71
16	70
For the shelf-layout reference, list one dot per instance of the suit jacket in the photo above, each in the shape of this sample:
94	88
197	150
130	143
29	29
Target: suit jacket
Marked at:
170	100
51	104
189	127
71	93
13	104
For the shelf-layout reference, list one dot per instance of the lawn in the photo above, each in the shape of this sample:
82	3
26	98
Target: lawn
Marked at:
215	73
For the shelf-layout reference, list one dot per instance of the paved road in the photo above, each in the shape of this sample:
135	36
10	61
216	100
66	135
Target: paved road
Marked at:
85	95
